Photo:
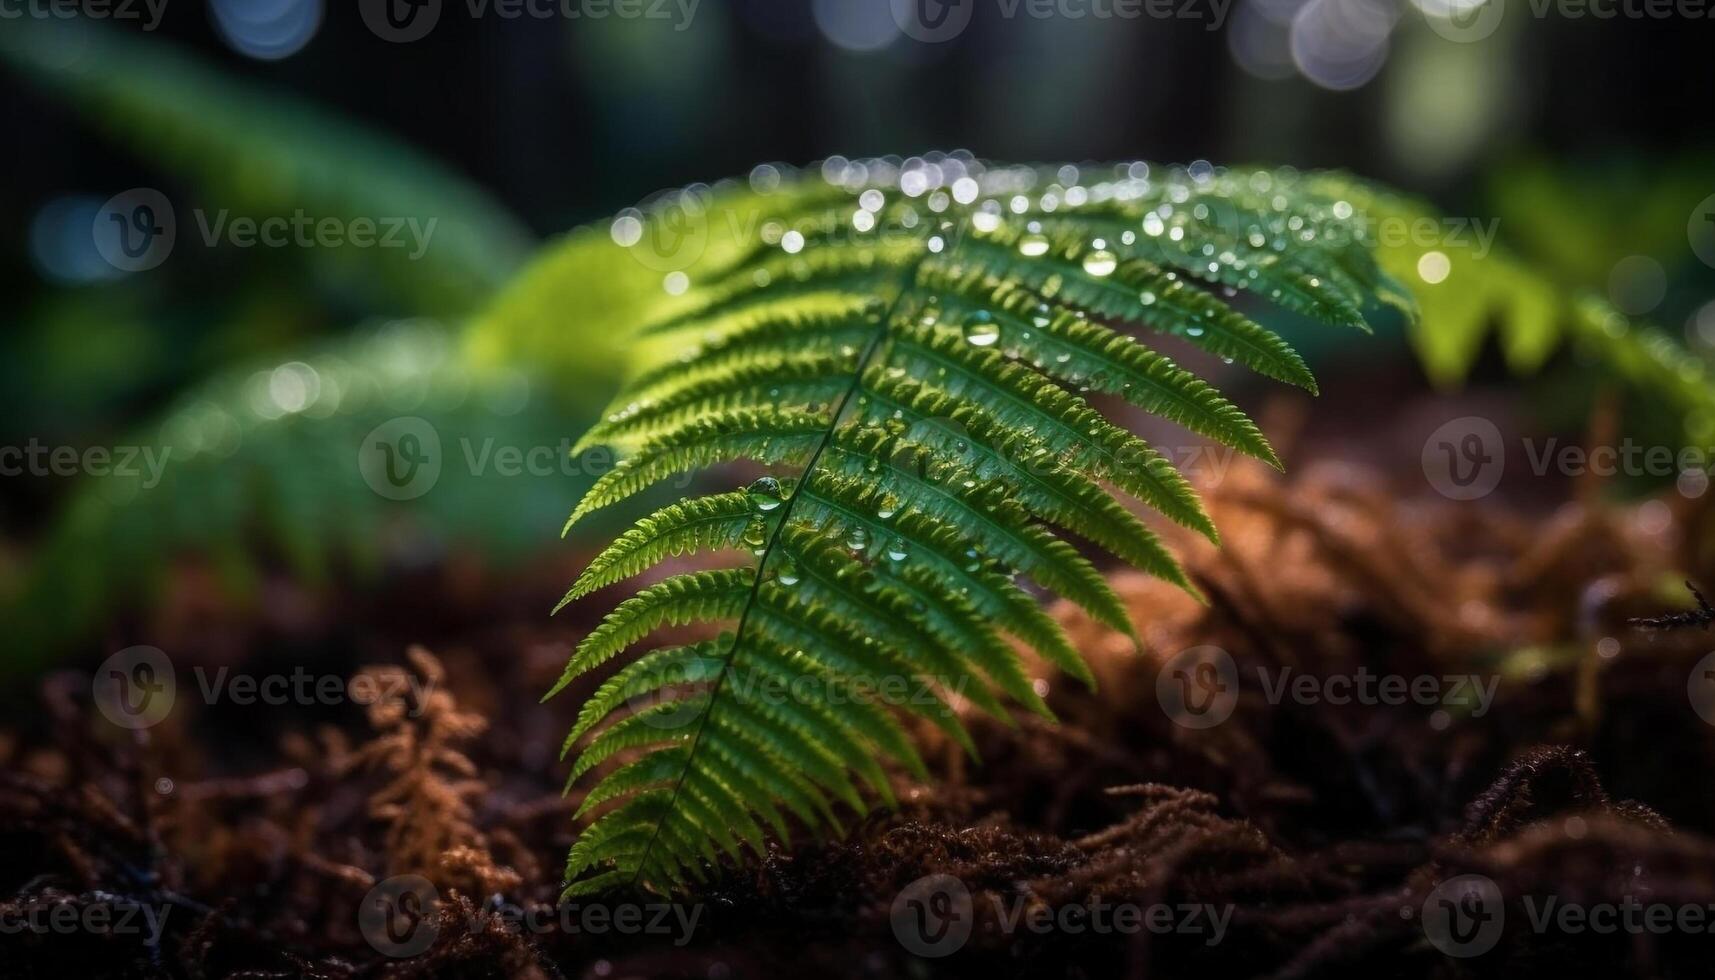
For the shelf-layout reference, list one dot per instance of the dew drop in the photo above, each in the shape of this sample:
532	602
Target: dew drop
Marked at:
765	494
1101	262
1033	245
756	534
787	572
981	330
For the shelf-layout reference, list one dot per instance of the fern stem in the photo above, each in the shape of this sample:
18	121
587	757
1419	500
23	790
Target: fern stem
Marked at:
906	280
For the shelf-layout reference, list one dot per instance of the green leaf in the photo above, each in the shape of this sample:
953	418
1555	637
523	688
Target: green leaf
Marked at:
918	389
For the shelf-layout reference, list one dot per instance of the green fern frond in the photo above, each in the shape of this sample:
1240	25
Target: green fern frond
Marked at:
1470	294
258	470
912	350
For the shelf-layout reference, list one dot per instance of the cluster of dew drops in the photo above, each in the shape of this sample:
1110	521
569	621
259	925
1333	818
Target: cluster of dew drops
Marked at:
1184	214
766	496
939	182
942	184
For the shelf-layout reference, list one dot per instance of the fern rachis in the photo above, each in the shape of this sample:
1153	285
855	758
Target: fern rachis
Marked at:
923	394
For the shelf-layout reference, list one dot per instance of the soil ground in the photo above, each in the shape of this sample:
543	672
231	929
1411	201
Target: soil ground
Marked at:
1320	831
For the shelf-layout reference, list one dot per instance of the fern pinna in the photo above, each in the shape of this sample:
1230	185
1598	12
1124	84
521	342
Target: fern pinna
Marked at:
909	345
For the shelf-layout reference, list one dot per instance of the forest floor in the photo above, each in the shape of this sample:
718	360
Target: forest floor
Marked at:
1544	748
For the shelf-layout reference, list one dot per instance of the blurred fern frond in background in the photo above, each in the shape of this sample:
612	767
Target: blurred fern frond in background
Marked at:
565	313
265	466
1471	291
258	153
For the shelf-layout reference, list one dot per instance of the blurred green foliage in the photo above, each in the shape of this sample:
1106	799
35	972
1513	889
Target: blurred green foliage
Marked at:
535	340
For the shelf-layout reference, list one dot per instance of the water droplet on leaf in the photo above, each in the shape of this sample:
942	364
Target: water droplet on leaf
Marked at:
756	533
765	494
1101	262
981	330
